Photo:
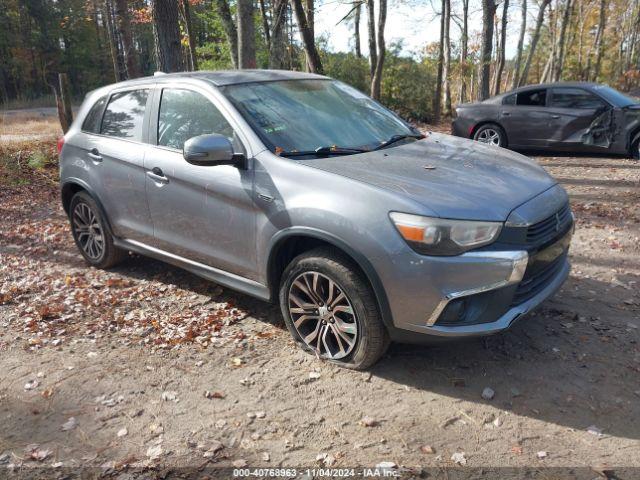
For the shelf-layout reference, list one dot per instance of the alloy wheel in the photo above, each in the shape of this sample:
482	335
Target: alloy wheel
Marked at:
490	136
322	315
88	231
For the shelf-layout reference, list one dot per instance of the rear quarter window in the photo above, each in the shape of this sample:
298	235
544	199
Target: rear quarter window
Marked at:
92	121
124	115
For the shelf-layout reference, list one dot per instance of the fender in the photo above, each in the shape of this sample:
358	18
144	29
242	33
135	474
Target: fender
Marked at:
361	261
85	186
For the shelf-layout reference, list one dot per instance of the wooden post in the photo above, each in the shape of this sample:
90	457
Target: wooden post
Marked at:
64	102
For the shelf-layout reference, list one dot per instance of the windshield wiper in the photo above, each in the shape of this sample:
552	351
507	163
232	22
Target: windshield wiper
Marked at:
323	151
397	138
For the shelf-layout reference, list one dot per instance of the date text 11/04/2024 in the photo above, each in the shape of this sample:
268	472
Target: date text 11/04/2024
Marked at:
377	472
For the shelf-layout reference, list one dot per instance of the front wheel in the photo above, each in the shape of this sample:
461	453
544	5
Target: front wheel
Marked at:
331	311
491	134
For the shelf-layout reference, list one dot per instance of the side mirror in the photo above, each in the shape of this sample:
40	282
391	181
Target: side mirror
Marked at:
210	150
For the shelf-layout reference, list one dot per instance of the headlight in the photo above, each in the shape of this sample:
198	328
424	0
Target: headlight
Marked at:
439	236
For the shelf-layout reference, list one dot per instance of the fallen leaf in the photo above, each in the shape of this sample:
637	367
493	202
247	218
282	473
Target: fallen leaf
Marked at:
210	395
69	424
368	422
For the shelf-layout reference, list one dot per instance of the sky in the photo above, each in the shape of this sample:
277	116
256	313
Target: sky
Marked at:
416	24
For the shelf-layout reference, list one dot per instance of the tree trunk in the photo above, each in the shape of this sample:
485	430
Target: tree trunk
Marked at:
600	39
371	30
246	35
124	30
501	50
566	17
306	32
63	102
277	47
113	45
265	24
464	50
488	12
166	30
446	50
437	98
190	34
356	30
376	81
230	30
534	42
523	31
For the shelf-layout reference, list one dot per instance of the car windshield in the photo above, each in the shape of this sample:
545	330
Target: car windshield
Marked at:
307	115
614	96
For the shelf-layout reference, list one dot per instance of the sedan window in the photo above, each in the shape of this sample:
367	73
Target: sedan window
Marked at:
509	100
532	98
185	114
574	98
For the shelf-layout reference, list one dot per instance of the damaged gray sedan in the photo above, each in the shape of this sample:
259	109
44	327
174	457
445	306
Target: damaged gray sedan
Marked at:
577	117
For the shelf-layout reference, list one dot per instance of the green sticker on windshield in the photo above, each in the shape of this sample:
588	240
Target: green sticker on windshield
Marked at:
276	129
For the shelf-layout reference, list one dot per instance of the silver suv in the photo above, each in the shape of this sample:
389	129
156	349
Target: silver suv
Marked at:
296	188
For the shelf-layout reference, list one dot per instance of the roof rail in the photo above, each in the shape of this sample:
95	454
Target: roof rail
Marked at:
158	74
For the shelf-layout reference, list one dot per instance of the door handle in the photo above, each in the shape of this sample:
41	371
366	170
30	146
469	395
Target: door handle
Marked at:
506	114
555	116
157	175
94	155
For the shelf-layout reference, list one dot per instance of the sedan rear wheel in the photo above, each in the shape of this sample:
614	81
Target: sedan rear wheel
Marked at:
491	134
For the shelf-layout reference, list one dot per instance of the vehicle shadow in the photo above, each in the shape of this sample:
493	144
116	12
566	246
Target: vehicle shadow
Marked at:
566	154
574	362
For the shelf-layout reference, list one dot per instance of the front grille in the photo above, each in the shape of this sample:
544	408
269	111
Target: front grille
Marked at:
535	281
549	228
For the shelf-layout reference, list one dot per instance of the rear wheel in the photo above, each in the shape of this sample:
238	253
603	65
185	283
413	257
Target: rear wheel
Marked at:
91	233
491	134
331	311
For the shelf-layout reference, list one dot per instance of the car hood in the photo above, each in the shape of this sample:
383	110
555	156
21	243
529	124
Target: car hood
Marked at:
453	177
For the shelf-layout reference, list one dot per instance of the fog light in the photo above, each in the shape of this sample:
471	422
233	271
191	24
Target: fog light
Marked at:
454	312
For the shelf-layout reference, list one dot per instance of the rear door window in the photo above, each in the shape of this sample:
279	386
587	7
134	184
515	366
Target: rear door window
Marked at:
124	115
185	114
532	98
574	98
91	122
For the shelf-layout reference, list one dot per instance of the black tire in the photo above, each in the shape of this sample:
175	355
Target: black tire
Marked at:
635	150
491	134
371	339
105	254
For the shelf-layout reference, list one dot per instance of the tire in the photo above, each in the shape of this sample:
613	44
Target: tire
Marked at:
491	134
354	311
635	150
87	223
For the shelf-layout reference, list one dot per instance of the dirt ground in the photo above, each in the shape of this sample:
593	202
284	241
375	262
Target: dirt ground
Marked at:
147	367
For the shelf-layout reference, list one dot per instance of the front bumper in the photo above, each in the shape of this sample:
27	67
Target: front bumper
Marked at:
479	292
504	321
